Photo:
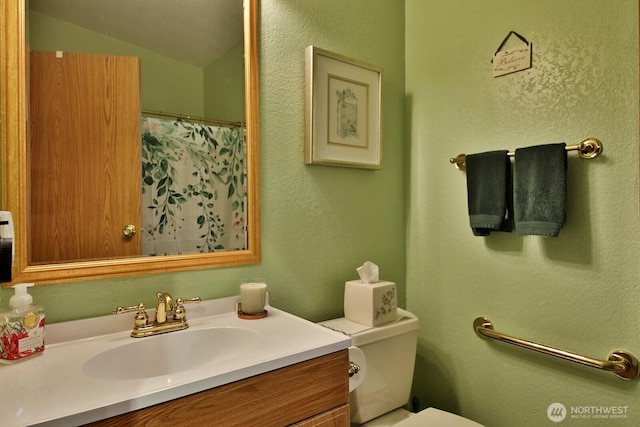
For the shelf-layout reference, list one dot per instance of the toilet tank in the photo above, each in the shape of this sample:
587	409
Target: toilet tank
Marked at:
390	352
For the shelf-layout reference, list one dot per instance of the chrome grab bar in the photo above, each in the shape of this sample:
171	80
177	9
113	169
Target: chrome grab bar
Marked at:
623	364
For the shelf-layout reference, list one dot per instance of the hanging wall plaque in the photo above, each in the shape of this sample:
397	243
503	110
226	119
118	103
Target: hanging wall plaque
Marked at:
506	61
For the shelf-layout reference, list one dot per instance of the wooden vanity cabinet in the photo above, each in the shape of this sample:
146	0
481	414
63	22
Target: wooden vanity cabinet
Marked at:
314	393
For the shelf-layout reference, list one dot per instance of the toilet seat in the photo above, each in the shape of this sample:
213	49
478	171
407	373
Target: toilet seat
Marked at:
436	417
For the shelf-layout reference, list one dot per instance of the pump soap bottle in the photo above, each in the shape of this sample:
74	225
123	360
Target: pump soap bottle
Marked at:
22	327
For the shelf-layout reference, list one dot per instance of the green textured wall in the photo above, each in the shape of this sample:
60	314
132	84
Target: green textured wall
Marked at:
178	87
223	81
578	291
318	223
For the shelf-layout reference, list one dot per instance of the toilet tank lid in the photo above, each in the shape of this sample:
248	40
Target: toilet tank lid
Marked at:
362	334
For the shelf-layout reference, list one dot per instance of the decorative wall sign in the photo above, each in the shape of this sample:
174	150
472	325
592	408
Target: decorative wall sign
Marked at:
343	111
506	61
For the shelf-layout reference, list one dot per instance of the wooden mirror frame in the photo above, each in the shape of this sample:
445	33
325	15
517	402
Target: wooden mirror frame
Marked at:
15	176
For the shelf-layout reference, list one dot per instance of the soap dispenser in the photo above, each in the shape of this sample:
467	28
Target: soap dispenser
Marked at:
22	327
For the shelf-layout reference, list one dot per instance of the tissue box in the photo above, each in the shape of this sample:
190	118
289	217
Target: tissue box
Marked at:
370	303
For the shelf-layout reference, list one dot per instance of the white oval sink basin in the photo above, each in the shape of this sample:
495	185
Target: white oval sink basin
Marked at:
172	352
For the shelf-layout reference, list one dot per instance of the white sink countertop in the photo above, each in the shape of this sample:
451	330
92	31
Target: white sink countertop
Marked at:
52	389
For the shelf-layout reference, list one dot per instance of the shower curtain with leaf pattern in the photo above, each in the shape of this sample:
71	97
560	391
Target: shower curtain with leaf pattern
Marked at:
193	187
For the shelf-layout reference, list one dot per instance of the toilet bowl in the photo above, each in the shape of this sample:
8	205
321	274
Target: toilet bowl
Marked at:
426	418
436	417
383	392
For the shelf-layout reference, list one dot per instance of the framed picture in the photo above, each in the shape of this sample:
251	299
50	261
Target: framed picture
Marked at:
343	105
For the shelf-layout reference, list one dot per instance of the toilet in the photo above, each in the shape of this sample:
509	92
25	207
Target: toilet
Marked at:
389	352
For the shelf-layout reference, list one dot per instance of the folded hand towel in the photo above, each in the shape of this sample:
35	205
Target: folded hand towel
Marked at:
489	192
540	189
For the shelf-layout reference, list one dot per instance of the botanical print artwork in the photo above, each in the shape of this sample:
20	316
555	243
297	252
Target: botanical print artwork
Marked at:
193	187
342	111
347	113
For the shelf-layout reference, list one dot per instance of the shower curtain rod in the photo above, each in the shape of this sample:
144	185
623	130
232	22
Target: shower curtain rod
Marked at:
193	118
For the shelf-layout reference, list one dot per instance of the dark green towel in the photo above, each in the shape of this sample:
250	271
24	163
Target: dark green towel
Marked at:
489	192
540	189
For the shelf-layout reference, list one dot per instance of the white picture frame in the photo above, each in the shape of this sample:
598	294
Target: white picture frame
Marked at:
343	109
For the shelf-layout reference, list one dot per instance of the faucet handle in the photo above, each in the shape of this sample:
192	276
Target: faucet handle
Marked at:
180	313
141	318
140	307
189	300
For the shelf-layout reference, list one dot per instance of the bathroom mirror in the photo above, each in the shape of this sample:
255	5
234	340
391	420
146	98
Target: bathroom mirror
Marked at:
16	178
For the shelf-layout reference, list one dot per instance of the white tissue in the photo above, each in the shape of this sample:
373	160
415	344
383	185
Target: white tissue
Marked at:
356	356
369	272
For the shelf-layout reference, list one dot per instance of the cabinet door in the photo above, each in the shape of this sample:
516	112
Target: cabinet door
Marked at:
314	393
85	156
338	417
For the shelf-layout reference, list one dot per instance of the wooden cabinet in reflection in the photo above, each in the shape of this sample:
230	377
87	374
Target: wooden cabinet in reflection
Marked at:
84	126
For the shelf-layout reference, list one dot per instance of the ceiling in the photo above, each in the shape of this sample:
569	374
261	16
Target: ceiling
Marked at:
191	31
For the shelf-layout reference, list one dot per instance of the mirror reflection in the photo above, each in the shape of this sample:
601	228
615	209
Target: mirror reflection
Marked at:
48	177
137	136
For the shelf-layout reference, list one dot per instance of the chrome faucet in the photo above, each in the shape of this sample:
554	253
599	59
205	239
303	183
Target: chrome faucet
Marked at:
170	316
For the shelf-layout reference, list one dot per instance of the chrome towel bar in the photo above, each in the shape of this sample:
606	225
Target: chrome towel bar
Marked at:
587	149
623	364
